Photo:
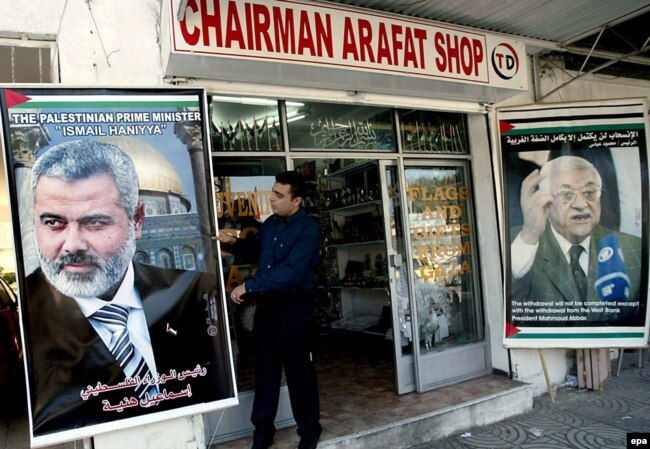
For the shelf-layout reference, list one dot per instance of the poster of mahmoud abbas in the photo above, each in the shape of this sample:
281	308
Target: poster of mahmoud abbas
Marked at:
575	179
123	311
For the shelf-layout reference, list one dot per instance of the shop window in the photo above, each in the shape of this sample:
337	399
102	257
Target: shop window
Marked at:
245	124
330	126
444	257
432	132
242	189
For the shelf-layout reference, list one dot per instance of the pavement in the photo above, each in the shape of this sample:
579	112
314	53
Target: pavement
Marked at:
14	424
578	418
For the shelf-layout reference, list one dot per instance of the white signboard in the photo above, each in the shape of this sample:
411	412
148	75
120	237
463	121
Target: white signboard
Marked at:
340	37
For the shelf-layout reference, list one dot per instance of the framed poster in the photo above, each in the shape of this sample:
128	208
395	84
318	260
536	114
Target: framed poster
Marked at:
123	313
575	179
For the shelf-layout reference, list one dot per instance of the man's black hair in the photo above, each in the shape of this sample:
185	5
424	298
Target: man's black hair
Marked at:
295	180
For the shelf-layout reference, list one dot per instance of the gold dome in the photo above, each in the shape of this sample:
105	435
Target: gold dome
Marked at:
155	172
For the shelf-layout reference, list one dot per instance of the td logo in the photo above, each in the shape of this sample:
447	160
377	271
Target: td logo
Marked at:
505	61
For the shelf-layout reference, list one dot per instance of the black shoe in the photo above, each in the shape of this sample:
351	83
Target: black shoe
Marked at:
308	443
263	445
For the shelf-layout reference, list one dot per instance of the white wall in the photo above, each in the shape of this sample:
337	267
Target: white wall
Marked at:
589	87
181	433
99	42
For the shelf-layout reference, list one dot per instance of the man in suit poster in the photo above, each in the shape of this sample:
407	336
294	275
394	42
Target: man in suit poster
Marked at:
109	339
576	261
562	214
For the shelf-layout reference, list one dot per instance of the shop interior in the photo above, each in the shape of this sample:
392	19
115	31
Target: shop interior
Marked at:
337	149
352	317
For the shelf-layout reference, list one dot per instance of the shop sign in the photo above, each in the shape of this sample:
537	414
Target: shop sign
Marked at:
340	37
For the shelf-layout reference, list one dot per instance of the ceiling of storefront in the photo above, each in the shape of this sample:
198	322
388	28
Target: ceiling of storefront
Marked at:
604	30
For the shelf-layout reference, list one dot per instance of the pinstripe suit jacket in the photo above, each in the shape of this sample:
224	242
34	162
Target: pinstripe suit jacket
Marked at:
550	277
66	355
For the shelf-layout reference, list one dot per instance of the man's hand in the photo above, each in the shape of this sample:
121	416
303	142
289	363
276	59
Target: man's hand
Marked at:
535	205
224	237
237	293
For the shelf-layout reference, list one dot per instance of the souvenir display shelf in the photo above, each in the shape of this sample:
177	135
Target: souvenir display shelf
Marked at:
354	207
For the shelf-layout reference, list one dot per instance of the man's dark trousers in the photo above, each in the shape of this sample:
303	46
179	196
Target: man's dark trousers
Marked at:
283	327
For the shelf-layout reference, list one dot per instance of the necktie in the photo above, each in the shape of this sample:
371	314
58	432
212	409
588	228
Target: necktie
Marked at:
114	318
578	273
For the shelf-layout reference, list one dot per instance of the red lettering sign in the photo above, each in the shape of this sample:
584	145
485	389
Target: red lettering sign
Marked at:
299	32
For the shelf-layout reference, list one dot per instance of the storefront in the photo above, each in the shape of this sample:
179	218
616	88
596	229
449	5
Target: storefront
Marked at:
393	119
387	120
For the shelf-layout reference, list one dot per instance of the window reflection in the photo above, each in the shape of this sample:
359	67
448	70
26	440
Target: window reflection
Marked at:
340	127
442	244
245	124
432	132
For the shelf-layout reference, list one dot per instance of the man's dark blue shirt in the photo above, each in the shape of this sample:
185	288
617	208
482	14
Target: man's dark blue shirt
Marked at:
288	250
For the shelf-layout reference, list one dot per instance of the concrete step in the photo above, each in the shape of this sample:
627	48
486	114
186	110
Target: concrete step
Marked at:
441	423
373	416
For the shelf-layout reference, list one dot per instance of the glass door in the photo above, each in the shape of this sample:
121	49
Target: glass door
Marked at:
434	274
398	277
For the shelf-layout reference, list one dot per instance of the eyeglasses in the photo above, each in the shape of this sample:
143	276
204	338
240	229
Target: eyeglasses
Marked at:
569	195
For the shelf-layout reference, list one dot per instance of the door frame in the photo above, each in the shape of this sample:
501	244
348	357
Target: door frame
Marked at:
418	371
405	379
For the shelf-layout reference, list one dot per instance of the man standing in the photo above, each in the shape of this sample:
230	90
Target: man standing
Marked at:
288	246
110	338
555	254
